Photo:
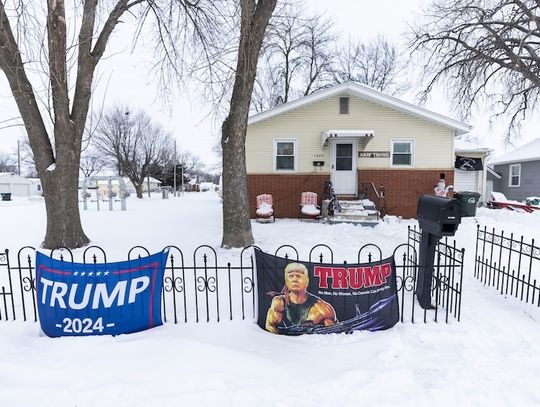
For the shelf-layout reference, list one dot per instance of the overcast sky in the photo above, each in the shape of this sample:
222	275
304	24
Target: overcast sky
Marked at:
124	78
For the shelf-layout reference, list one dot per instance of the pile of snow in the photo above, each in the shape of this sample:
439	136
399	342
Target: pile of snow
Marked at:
489	358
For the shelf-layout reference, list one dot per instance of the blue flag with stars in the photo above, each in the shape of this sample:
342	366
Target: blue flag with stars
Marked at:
76	299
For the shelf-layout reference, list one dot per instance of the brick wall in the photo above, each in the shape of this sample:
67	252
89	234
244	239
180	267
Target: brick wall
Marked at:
402	188
285	189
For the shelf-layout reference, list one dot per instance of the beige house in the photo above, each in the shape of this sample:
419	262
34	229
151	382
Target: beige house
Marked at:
363	141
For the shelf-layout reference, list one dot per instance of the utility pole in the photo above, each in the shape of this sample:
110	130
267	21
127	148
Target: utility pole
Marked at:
175	161
18	158
182	172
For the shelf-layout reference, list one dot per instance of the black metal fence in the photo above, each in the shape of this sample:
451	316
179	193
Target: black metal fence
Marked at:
203	289
447	281
508	263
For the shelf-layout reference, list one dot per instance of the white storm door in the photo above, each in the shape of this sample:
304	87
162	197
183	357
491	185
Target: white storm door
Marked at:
344	167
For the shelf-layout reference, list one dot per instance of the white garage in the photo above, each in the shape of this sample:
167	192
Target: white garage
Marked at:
15	184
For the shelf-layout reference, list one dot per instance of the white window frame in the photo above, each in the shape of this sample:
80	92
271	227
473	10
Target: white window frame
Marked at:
518	166
413	149
274	154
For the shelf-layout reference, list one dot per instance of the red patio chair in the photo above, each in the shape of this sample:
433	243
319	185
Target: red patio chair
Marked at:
265	208
308	206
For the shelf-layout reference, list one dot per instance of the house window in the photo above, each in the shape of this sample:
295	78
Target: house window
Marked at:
285	155
402	152
344	105
515	175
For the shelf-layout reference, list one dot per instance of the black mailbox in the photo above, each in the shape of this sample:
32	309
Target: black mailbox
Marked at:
437	217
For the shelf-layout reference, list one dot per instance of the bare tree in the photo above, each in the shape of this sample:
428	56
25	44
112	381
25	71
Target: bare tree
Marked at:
55	116
296	58
374	63
134	144
236	222
7	163
91	163
483	51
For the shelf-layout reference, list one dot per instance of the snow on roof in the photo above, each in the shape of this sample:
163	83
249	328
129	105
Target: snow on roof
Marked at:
367	93
527	152
12	176
469	146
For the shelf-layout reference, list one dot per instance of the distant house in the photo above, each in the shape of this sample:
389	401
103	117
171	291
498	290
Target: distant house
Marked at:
15	184
36	189
354	136
207	186
517	173
100	182
193	185
470	169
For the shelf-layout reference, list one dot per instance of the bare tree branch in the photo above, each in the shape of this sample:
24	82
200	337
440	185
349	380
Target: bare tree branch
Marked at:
483	51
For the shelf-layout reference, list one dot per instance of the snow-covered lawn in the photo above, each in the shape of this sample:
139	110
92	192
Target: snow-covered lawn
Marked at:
489	358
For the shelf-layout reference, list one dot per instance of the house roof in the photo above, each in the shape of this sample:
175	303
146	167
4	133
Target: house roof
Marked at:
466	146
527	152
11	176
367	93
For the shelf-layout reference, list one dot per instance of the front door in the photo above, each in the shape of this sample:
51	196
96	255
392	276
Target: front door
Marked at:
344	167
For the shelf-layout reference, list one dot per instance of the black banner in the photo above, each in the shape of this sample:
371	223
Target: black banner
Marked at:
297	297
468	164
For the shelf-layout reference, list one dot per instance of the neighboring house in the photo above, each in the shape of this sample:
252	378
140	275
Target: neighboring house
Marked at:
149	183
193	185
517	173
206	186
36	188
470	169
354	136
15	184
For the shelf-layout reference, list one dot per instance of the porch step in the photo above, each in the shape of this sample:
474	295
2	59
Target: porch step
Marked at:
358	212
347	197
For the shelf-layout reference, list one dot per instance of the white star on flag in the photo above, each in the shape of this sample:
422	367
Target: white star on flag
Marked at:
83	273
90	274
106	273
98	273
76	273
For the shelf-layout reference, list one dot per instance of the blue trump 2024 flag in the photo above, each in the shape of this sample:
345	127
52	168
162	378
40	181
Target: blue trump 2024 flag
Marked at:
77	299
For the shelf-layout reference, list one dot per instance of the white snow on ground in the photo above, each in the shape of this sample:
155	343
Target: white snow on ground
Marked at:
490	358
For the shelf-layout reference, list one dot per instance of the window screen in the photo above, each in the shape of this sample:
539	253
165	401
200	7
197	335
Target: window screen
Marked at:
402	153
285	155
344	158
515	175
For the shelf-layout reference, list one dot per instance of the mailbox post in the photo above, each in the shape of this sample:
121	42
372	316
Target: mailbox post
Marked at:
437	217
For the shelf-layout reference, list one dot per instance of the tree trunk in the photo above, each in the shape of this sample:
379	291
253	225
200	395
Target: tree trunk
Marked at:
138	190
60	190
236	221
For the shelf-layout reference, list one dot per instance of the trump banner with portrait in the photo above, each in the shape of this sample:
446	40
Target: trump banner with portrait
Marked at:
296	297
76	299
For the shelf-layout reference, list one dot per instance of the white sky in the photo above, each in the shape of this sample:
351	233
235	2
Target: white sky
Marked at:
125	79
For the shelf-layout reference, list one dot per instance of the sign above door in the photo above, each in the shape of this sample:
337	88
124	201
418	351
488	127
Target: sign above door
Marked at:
374	154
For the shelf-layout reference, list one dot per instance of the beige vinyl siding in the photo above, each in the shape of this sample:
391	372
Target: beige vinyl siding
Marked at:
433	147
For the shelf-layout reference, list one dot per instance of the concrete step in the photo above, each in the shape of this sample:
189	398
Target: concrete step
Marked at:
333	220
358	212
